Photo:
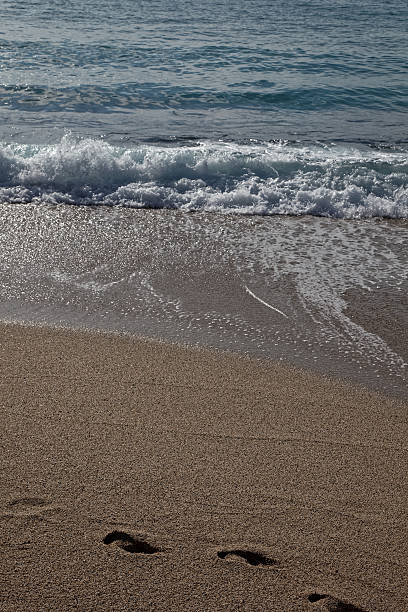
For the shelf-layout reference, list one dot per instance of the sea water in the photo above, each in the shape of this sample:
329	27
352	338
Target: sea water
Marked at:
263	107
282	124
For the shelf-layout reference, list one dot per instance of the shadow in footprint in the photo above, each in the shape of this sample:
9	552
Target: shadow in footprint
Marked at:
23	503
129	543
34	507
249	556
331	604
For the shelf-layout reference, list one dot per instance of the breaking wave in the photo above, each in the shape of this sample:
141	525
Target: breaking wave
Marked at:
254	178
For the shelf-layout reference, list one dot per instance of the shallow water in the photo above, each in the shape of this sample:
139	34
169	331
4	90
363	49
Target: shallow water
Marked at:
283	287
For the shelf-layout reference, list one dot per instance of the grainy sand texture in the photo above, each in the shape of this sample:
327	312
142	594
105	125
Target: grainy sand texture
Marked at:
146	476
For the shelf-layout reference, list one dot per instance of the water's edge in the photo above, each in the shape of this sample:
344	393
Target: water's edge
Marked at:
284	288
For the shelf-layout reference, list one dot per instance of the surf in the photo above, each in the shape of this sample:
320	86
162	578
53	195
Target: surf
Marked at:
252	178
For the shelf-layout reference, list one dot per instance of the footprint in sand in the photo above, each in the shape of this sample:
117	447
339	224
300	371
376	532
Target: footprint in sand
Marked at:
25	503
30	506
252	558
331	604
129	543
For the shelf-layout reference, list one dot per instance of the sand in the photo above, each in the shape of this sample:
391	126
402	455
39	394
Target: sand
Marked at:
139	475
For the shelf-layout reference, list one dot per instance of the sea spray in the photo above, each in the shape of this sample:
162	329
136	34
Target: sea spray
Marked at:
257	178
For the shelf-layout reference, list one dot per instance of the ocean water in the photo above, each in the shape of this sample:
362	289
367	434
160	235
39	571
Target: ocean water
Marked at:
281	124
263	107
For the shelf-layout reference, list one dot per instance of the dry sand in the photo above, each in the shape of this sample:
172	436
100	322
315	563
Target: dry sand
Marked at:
144	476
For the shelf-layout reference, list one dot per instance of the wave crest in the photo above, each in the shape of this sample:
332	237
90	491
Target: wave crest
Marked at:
257	178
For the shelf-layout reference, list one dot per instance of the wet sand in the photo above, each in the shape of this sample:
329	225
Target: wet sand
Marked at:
320	294
139	475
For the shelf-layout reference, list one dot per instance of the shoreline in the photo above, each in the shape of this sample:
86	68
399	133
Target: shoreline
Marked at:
205	458
210	280
262	359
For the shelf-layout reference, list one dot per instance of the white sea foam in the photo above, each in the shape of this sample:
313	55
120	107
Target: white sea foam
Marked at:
258	179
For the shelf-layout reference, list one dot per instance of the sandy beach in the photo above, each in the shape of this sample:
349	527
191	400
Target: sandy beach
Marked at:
139	475
203	306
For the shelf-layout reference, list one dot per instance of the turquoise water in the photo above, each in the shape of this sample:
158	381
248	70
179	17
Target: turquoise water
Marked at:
258	107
